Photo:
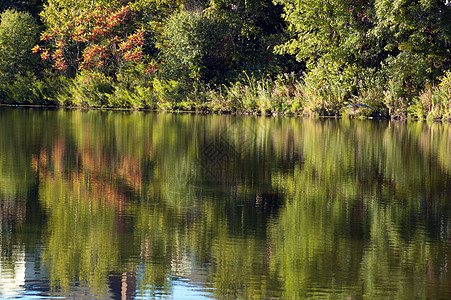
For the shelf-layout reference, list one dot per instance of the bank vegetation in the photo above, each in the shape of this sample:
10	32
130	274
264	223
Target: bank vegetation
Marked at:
293	57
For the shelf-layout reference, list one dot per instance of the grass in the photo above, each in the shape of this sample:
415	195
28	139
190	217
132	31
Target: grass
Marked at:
288	94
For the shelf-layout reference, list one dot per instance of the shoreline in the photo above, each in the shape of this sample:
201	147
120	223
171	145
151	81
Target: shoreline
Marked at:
212	112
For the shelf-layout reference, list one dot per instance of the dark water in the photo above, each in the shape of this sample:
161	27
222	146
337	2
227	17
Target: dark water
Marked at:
141	205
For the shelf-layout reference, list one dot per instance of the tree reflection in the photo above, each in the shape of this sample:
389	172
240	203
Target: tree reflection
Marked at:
242	207
356	207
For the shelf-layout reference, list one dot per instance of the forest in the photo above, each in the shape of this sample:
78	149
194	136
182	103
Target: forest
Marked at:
281	57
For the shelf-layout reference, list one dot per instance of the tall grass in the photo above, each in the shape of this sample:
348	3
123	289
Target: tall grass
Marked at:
434	102
325	90
261	95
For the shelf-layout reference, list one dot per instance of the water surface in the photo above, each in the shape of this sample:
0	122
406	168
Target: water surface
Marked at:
123	205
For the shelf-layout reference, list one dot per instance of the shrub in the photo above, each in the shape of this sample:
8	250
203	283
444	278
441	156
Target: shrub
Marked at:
28	89
168	92
370	91
434	102
257	95
133	87
328	87
88	88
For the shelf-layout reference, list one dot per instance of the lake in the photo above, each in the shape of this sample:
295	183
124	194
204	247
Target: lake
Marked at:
139	205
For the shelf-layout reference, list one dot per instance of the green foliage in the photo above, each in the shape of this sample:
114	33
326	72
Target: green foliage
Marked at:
20	69
434	101
260	95
404	44
414	26
406	74
244	96
19	32
29	89
190	55
168	92
89	88
366	32
192	50
324	29
133	87
216	46
328	87
252	29
57	14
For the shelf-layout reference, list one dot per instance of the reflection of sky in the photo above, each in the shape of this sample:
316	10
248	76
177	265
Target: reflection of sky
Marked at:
12	275
11	288
19	279
185	290
181	286
181	289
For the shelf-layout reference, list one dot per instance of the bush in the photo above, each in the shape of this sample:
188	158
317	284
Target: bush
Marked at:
328	87
286	94
434	102
370	91
168	92
133	87
88	88
28	89
258	95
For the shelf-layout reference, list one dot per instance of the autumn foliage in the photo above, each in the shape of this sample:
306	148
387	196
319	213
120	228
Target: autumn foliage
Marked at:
101	39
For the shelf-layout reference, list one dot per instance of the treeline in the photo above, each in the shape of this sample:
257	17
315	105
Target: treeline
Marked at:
283	57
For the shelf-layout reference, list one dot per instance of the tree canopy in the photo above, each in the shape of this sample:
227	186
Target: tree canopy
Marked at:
366	32
18	34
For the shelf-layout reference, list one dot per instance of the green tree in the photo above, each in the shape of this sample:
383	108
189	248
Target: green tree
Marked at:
215	41
19	67
401	46
414	40
193	47
323	28
366	32
18	34
253	28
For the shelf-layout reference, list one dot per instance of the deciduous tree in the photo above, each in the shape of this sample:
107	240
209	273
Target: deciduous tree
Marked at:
100	36
18	33
366	32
